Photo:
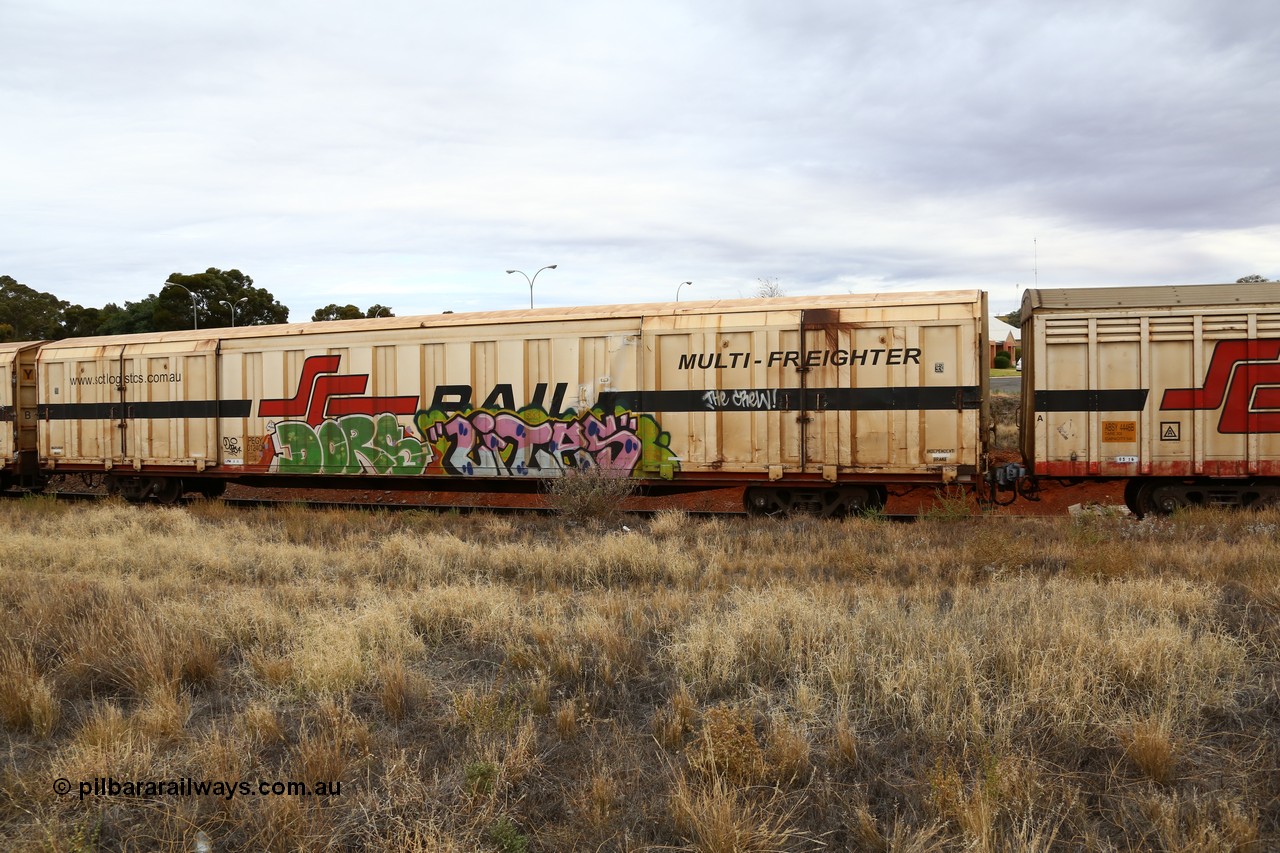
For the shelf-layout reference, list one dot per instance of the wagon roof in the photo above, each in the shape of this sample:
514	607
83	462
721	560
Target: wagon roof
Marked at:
1171	296
15	347
541	315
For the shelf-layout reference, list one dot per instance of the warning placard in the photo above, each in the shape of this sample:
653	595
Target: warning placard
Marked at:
1119	431
1170	431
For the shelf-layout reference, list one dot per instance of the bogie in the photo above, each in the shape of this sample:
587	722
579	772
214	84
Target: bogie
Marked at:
830	502
1152	496
165	490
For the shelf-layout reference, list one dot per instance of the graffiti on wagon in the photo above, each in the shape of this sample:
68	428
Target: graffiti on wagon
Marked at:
327	427
531	443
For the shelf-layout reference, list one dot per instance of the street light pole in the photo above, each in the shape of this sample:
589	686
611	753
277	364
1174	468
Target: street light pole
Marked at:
233	308
682	284
532	280
195	322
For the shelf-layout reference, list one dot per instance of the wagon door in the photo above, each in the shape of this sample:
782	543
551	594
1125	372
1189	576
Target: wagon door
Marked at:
81	408
170	403
8	409
25	389
890	393
824	420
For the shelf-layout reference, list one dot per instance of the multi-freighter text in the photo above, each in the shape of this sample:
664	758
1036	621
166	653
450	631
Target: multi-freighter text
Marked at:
798	358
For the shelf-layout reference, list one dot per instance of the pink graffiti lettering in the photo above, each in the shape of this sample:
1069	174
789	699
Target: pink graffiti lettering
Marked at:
487	444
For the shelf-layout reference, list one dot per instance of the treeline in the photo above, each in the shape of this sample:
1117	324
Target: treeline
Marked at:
211	299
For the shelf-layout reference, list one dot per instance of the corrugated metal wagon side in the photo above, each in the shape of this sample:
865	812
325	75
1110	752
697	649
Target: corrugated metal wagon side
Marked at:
1171	388
820	403
823	404
140	408
488	401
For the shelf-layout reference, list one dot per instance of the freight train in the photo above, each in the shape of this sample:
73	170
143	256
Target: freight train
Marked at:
815	404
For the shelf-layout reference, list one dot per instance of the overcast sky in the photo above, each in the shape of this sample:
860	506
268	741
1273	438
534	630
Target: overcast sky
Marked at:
409	152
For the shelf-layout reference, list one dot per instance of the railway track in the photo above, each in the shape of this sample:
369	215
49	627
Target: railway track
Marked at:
260	503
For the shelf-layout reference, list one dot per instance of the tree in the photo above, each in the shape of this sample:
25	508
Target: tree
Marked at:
81	322
134	318
768	288
29	314
211	288
334	311
1252	279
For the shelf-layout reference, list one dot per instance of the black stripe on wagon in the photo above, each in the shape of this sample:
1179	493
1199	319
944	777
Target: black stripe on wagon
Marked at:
146	410
1116	400
791	399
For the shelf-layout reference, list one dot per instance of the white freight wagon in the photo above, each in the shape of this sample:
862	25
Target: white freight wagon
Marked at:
822	402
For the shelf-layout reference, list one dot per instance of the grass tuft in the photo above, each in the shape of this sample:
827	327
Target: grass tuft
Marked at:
590	496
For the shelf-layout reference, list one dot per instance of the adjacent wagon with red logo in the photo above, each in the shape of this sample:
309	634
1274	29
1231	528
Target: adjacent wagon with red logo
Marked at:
1176	389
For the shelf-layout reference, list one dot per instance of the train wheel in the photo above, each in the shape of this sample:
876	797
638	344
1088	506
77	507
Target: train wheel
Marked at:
1132	493
167	490
133	489
1167	498
759	500
1268	498
857	500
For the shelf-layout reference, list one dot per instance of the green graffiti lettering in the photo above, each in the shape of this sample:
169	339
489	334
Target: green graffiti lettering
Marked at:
300	450
406	453
349	445
361	433
656	444
338	458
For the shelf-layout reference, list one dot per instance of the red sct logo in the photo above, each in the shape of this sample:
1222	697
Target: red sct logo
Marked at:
1244	379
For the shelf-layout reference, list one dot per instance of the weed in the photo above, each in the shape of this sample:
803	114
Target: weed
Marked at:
1149	745
844	744
590	496
27	699
506	836
485	712
540	696
950	504
261	723
728	747
567	720
673	723
786	752
718	819
480	777
393	689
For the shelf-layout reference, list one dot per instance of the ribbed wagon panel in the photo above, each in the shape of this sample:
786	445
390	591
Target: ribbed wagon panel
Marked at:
1152	382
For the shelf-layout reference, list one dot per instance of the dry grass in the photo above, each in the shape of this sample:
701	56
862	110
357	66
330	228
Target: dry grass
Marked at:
494	683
